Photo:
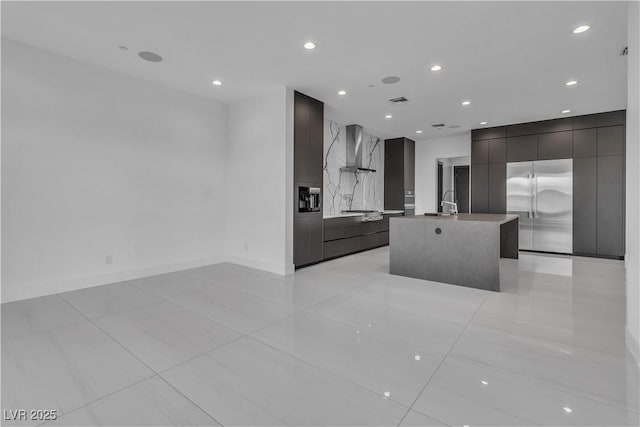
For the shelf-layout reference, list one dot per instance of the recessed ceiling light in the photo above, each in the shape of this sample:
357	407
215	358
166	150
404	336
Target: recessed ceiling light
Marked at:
581	29
565	111
150	56
388	116
436	68
309	45
571	82
418	131
484	382
483	123
342	92
417	357
465	103
216	82
567	409
387	394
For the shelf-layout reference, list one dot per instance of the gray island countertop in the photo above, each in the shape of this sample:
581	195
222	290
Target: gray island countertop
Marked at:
463	249
479	217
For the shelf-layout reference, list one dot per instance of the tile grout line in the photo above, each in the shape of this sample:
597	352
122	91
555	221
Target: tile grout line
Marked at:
442	361
100	398
108	334
137	358
244	335
379	335
189	400
326	371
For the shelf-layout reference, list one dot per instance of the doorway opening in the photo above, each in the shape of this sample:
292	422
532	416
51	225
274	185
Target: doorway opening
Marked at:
453	183
461	187
440	172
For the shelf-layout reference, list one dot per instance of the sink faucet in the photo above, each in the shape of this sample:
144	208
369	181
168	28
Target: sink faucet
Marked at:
454	206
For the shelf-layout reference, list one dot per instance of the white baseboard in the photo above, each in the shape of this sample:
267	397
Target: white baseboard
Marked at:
632	345
41	289
281	269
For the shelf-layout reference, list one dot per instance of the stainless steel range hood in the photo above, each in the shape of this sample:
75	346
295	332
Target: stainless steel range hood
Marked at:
355	151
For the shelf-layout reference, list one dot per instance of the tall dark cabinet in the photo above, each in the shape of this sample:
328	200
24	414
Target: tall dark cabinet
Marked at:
399	175
595	142
308	125
489	171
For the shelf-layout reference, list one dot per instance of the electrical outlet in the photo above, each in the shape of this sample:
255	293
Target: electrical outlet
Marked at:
108	259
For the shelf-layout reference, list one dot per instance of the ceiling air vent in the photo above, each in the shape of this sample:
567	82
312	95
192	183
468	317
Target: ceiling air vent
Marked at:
454	126
399	99
438	125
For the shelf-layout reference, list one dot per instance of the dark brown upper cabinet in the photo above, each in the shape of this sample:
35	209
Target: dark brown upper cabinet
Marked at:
480	152
489	133
522	148
535	128
399	172
611	141
497	150
556	145
585	143
610	118
308	118
409	165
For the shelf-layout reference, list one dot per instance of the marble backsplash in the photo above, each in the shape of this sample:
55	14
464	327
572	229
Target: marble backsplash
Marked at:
349	190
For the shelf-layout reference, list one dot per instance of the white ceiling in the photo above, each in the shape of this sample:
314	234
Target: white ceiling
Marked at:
511	59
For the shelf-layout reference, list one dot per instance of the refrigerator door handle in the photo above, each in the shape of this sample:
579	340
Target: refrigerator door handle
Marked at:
530	213
535	195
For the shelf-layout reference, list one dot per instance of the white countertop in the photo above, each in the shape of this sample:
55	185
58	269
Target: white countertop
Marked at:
341	215
348	214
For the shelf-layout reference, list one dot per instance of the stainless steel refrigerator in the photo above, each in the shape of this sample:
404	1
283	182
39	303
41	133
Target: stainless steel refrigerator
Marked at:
541	192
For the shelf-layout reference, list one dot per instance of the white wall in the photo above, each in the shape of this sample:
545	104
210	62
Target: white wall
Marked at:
633	183
427	153
96	163
259	197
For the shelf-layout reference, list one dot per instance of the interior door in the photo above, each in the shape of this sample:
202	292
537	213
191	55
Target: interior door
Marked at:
553	206
520	199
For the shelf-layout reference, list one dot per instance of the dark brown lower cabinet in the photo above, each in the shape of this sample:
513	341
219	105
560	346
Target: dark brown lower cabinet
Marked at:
480	188
498	188
584	205
307	239
347	235
610	206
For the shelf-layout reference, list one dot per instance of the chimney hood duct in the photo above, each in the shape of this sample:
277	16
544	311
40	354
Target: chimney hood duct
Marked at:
355	151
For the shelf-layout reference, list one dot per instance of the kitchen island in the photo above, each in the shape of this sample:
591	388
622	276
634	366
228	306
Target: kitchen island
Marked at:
463	249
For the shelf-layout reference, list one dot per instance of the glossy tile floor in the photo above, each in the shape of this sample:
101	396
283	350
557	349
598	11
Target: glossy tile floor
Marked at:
341	343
